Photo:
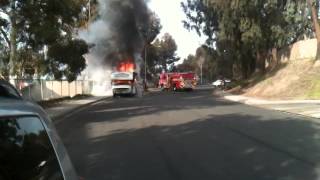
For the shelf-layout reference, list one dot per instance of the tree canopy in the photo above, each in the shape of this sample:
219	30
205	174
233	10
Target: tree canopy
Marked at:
245	32
35	25
161	54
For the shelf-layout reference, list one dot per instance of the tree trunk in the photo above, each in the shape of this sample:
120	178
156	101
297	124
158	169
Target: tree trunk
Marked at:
245	70
275	62
5	35
260	62
13	43
316	26
237	71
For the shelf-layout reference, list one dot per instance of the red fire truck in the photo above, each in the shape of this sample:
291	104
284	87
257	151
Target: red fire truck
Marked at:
177	81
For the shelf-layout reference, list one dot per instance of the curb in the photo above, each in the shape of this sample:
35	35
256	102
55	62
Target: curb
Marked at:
314	119
223	94
59	118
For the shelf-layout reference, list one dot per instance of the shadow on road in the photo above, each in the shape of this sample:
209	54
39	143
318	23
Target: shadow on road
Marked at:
124	108
221	140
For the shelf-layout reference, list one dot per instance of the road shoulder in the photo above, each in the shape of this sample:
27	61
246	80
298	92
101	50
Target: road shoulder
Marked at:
58	111
309	108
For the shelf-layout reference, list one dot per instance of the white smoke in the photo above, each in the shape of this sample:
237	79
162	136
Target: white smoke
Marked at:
95	71
98	34
139	83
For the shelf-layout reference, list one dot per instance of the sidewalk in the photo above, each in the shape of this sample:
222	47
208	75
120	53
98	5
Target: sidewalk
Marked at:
310	108
68	106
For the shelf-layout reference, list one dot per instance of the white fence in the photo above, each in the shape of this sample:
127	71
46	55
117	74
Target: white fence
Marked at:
37	90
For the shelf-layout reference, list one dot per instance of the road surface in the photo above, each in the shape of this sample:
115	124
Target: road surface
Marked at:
189	136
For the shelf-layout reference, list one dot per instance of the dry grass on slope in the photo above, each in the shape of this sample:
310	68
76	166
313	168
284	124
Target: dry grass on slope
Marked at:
295	80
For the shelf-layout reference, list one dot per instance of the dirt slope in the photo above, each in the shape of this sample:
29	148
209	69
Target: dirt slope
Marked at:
295	80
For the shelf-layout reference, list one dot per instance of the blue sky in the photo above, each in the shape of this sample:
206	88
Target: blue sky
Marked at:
172	15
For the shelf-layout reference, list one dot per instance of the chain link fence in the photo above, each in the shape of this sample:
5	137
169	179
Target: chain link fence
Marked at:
39	90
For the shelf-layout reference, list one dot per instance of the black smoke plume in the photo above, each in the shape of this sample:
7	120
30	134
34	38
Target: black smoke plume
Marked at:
127	20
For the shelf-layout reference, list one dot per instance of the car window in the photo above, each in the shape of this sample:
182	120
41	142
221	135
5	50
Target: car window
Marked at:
26	152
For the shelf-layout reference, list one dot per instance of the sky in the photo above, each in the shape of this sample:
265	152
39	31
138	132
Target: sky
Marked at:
171	16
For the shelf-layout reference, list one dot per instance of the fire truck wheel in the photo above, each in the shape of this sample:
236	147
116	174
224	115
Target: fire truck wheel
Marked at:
162	88
174	88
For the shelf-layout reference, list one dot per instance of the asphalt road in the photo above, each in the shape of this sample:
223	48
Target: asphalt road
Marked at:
190	136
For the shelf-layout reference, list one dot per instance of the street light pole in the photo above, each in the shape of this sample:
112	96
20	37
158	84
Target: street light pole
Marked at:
145	64
201	71
89	13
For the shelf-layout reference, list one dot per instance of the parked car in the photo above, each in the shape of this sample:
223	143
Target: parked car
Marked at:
218	83
30	148
227	80
8	90
221	83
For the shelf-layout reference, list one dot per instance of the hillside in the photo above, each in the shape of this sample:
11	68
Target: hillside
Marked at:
294	80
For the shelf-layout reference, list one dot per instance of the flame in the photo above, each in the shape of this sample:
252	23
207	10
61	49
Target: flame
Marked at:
126	66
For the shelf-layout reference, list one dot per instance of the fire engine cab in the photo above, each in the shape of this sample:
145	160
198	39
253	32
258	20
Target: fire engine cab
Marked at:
123	79
177	81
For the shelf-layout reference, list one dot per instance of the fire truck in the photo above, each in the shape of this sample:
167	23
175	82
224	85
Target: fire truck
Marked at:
123	79
177	81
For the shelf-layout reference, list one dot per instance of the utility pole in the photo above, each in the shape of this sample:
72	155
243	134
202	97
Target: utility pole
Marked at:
145	57
86	72
201	72
89	13
145	65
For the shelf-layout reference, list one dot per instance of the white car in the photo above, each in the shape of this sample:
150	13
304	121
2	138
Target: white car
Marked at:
218	83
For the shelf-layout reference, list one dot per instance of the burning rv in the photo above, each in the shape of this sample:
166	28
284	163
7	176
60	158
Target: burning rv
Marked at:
123	78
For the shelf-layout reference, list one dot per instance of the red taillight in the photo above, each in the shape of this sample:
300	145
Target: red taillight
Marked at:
122	82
